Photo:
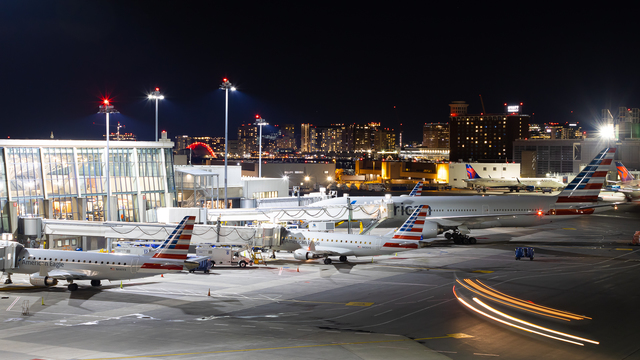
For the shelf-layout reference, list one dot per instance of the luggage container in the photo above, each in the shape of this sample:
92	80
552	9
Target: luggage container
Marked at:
524	252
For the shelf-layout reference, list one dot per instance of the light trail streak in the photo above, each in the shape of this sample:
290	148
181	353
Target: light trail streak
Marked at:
532	325
512	324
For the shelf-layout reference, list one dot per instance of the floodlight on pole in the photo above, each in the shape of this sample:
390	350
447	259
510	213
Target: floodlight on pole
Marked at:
106	108
156	96
260	122
226	86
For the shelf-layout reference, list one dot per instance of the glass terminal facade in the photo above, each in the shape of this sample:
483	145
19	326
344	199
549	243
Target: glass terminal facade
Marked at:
66	179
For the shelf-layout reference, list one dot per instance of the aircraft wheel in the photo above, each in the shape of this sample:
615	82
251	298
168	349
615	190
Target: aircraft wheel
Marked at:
95	283
343	258
472	240
327	261
72	287
465	240
447	236
242	264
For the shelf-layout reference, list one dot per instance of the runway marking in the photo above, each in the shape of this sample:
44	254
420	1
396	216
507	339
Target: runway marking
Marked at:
13	303
622	249
357	303
483	271
273	348
277	328
479	354
382	313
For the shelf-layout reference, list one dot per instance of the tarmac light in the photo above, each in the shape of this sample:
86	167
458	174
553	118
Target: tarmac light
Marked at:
511	324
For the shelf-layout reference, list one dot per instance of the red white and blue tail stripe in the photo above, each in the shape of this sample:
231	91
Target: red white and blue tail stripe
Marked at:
176	245
471	172
587	185
417	190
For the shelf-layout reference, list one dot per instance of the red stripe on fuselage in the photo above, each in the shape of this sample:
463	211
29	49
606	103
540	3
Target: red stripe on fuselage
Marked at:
161	267
404	246
170	256
406	237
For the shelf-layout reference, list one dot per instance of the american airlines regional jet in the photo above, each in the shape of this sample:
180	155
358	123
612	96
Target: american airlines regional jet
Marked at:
46	267
455	215
308	245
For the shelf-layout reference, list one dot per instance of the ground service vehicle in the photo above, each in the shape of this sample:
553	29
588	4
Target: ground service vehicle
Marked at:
223	256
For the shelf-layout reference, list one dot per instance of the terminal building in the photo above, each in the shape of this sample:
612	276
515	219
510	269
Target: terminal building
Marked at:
66	179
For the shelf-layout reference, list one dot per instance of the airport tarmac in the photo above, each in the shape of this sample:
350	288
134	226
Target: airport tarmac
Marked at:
385	307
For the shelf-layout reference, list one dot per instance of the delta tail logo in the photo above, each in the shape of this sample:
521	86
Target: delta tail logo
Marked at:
471	173
623	173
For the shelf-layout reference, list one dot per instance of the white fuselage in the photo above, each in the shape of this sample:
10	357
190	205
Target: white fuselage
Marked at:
508	211
346	244
94	266
513	182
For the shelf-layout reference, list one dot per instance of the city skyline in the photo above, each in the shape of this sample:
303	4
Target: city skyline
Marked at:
304	64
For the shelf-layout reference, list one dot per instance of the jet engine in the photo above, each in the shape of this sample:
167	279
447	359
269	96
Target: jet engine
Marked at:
38	280
304	254
431	230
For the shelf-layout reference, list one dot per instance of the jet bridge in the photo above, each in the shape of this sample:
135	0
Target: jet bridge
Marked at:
376	211
9	251
264	235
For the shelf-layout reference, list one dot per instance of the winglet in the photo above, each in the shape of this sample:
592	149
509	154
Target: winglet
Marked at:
586	186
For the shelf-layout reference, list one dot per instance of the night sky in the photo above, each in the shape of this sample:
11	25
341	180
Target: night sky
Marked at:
302	62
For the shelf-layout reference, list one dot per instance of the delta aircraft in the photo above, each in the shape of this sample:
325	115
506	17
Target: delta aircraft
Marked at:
454	216
46	267
512	184
627	181
308	245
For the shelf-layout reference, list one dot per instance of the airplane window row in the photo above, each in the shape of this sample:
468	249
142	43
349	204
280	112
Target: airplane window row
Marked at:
74	260
329	240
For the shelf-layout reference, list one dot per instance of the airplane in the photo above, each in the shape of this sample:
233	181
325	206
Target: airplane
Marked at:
417	190
308	245
46	267
454	216
517	184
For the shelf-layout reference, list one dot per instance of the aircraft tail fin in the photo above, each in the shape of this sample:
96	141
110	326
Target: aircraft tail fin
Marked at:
623	173
417	190
177	243
412	228
471	172
586	186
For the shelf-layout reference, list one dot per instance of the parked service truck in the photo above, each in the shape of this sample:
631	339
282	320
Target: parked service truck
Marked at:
223	256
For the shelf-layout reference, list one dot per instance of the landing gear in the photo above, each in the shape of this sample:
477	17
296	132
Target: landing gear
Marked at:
459	238
327	261
343	258
8	281
95	283
72	287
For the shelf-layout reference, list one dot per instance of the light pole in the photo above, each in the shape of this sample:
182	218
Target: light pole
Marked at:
226	86
156	96
107	109
260	122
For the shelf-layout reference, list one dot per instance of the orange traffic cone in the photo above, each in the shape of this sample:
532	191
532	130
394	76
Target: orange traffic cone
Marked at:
209	293
161	275
298	270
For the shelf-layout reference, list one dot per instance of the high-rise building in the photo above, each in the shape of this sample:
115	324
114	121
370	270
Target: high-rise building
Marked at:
308	138
332	138
435	135
487	136
247	139
384	139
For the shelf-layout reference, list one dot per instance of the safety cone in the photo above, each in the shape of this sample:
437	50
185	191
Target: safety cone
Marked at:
161	275
42	301
209	293
298	269
120	284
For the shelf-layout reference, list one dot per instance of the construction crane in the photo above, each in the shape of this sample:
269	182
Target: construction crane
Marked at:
482	102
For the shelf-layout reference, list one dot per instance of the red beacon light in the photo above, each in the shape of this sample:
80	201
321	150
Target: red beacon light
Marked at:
225	80
106	101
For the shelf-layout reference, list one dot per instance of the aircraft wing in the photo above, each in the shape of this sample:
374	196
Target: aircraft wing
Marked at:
65	275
